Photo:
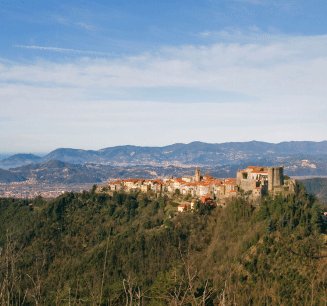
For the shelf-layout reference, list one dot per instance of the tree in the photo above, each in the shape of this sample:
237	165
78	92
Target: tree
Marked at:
94	188
316	217
177	192
269	227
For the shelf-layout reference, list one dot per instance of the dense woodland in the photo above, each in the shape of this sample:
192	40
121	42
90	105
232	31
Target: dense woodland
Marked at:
317	186
133	249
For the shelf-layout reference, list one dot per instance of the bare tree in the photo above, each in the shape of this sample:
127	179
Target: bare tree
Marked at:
133	294
35	292
9	285
104	265
184	292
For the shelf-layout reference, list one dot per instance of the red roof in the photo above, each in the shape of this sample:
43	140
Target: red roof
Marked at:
184	205
205	184
116	182
230	181
205	199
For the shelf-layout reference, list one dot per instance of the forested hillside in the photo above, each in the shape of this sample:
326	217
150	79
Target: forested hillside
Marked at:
133	249
318	186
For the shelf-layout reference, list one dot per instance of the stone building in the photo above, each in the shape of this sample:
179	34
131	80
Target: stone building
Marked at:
197	175
251	183
275	177
262	179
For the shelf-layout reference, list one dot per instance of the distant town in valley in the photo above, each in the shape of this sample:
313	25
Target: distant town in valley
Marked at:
30	189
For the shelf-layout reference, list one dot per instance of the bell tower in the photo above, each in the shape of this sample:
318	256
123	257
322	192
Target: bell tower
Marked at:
197	174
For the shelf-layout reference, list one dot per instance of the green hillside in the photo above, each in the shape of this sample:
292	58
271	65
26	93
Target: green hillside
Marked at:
131	249
317	186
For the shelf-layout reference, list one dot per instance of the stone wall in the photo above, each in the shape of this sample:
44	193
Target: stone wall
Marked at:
275	177
239	177
247	184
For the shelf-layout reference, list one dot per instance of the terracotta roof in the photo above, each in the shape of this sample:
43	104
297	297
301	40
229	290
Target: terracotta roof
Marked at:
204	184
230	181
183	205
116	182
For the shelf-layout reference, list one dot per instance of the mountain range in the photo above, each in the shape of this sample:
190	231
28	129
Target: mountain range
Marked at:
55	171
300	159
192	154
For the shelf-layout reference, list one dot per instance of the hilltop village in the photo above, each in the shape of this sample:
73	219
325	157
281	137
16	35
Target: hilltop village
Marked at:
252	182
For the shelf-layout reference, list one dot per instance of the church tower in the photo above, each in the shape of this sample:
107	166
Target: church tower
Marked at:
197	174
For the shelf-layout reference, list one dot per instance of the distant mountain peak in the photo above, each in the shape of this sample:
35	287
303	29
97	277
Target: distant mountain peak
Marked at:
193	153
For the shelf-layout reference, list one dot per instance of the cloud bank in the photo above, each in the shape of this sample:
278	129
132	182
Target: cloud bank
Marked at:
280	85
293	66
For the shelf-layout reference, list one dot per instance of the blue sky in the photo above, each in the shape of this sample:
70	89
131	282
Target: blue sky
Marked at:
90	75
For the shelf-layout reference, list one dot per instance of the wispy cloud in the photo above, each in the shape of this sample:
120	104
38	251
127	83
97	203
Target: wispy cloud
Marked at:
63	50
85	25
295	65
251	34
281	4
285	77
68	21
